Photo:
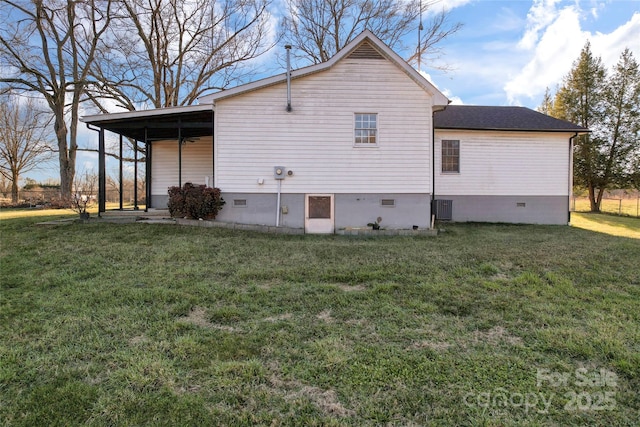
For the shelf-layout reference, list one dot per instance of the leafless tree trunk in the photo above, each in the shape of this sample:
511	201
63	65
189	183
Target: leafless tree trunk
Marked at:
24	139
318	29
48	47
165	53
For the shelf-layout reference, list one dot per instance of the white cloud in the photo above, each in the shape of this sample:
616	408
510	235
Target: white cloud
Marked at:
559	45
552	56
455	100
541	14
445	5
610	46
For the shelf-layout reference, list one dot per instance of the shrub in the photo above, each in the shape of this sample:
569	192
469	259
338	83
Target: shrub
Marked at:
195	201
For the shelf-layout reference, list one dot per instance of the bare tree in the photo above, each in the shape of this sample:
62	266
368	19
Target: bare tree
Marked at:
48	47
165	53
24	139
318	29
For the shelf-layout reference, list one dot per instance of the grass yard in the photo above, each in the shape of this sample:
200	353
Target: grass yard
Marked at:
609	224
137	324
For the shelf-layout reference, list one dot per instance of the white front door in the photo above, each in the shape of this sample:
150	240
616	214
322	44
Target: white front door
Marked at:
318	212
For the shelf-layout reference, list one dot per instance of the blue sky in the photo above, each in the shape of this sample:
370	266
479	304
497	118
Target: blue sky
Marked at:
508	52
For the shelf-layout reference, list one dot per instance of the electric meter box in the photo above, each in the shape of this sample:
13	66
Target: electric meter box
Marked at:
279	172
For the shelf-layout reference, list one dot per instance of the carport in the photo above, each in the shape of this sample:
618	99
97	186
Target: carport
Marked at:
174	123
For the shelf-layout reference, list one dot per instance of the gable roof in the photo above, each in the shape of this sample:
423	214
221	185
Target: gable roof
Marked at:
365	45
471	117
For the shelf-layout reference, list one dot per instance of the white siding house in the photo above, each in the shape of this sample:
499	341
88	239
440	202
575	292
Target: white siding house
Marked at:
517	169
356	145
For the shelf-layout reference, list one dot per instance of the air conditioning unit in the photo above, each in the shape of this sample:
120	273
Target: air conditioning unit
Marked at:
443	209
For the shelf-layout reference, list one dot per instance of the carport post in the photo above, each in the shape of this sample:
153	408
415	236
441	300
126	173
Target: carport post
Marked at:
120	172
147	170
135	172
179	153
102	181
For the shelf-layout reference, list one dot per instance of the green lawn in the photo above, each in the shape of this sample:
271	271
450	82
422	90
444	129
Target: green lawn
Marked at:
138	324
609	224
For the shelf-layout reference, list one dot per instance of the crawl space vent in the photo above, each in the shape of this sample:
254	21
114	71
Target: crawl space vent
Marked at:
365	51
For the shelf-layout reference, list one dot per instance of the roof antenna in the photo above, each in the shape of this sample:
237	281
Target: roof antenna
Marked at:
288	47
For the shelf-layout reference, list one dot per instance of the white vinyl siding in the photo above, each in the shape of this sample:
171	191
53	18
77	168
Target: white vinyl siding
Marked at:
506	163
316	139
196	164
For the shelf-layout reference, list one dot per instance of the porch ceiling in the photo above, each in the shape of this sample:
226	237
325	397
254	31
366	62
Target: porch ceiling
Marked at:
192	124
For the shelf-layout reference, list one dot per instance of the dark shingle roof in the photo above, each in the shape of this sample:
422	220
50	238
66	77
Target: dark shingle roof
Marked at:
472	117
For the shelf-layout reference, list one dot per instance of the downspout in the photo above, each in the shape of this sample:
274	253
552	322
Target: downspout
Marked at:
433	157
570	178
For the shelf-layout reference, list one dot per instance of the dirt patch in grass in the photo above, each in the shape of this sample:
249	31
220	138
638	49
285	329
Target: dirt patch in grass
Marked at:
495	336
198	316
137	340
285	316
350	288
325	316
432	345
327	400
499	276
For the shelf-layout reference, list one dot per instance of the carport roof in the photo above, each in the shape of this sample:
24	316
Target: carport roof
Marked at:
191	121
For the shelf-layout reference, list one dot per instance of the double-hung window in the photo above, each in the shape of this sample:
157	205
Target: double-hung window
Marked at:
366	129
450	156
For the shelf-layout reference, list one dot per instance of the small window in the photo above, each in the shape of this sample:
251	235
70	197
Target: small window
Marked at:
450	156
521	204
239	203
366	129
388	202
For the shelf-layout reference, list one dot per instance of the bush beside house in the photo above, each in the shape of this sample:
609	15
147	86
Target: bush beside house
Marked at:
195	201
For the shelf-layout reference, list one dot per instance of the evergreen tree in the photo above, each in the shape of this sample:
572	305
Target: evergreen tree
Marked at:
620	127
609	106
547	103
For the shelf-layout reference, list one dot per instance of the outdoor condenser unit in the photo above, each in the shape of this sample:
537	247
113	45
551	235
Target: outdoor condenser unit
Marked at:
443	209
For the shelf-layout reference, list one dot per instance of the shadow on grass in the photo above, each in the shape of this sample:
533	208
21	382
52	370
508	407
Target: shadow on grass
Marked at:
608	224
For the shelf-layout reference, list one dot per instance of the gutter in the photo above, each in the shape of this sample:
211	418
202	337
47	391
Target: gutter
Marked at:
578	132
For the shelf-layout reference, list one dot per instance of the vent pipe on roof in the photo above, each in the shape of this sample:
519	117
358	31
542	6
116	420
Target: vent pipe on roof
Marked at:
288	47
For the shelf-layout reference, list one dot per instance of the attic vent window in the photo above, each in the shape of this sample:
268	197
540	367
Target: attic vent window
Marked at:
365	51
